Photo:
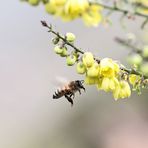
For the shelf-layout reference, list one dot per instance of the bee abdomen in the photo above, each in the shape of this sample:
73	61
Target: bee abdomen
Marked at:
58	94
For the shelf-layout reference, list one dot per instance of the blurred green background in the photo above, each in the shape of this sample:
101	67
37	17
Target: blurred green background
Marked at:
30	118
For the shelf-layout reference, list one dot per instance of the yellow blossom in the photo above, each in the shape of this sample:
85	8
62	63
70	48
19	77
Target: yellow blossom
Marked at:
88	59
133	79
76	7
93	16
50	8
58	2
91	80
122	90
94	70
109	68
108	84
55	7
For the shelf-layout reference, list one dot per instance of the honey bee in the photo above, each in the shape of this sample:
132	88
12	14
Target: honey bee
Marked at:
69	90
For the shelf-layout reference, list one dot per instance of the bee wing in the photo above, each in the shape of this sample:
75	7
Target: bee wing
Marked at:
60	81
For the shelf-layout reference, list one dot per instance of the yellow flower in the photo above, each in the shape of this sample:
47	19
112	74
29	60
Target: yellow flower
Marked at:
65	17
94	70
88	59
122	90
108	84
91	80
75	7
57	2
55	7
109	68
133	79
93	16
50	8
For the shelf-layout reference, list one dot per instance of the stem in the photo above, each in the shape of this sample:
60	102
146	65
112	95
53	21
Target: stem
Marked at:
128	45
129	71
125	43
71	45
115	8
61	37
132	71
112	8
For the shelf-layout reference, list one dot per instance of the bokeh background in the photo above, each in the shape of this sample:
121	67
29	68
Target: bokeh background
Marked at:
30	118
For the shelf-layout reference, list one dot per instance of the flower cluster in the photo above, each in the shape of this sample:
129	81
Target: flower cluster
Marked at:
71	9
92	12
140	60
105	74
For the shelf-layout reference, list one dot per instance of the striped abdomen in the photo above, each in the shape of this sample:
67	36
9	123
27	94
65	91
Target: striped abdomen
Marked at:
60	93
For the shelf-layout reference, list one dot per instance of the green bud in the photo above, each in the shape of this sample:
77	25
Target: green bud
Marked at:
33	2
144	68
55	40
145	52
88	59
64	52
134	59
81	69
58	50
70	37
70	60
75	53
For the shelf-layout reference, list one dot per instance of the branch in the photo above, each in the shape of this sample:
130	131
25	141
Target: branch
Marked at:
129	71
115	8
61	37
127	44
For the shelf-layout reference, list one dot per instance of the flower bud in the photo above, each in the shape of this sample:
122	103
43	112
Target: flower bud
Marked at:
145	52
64	52
93	71
70	60
75	53
134	59
144	68
55	40
33	2
88	59
70	37
58	50
81	69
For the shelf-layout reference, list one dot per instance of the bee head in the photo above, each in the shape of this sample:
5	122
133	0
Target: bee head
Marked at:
79	83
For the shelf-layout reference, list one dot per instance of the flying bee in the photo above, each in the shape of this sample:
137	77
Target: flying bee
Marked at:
69	90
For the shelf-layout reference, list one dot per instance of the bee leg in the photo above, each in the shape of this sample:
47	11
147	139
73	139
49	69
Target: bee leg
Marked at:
72	94
83	88
79	91
69	99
